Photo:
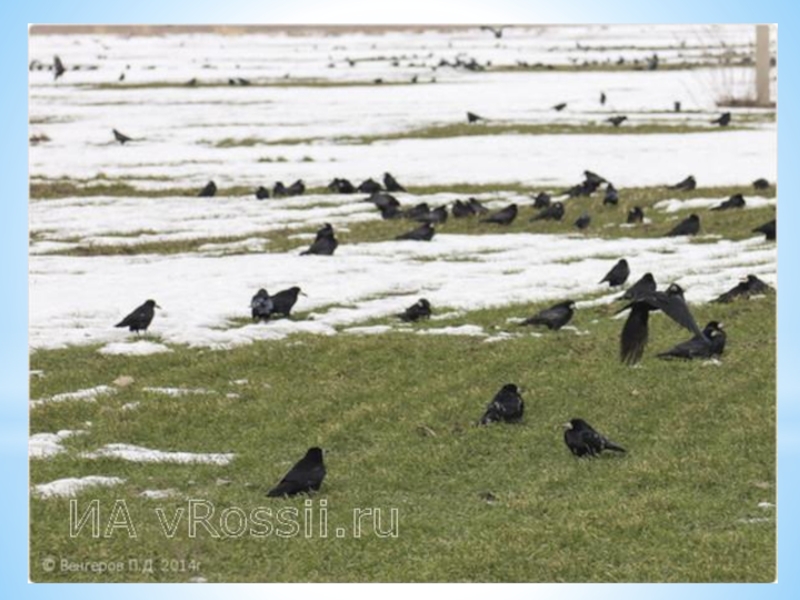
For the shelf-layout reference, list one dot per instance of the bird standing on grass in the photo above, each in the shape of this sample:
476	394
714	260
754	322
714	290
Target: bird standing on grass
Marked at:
735	201
423	233
749	286
554	212
689	226
611	195
262	193
723	120
685	185
306	475
208	191
555	317
618	120
473	118
507	405
583	221
140	318
419	310
709	345
635	215
504	216
583	440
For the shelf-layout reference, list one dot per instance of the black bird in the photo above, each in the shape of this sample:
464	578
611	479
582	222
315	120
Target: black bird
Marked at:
279	190
710	344
561	106
472	117
689	226
583	440
390	212
686	185
618	120
677	106
284	301
583	221
636	215
419	310
121	137
262	193
722	120
261	305
139	319
423	233
325	243
477	207
461	209
602	98
121	77
208	191
507	405
391	185
192	82
768	229
341	186
298	188
542	200
593	177
420	210
303	477
635	331
369	186
761	184
618	274
437	215
58	67
645	285
242	81
735	201
555	317
611	196
584	188
382	200
497	31
503	216
553	212
747	287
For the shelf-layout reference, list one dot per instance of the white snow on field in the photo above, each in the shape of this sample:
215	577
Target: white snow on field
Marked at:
468	330
87	395
146	455
72	486
45	445
166	391
136	348
159	494
676	204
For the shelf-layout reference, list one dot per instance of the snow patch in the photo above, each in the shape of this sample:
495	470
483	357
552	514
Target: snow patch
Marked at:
138	348
146	455
72	486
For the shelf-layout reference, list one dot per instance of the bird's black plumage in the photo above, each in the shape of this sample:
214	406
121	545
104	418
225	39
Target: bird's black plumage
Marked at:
685	185
261	305
689	226
417	211
635	215
593	177
504	216
325	243
298	188
542	200
709	345
583	221
341	186
391	184
58	67
279	190
423	233
735	201
208	191
555	317
618	120
582	439
602	98
472	117
554	212
768	229
722	120
306	475
477	207
618	274
611	195
761	184
419	310
461	209
507	405
140	318
120	137
284	301
560	106
750	286
262	193
369	186
643	286
382	200
437	216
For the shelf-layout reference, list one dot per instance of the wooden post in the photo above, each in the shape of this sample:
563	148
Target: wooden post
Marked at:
762	65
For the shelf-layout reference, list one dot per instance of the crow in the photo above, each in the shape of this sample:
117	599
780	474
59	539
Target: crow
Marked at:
472	117
761	184
303	477
423	233
593	177
555	317
645	285
553	212
633	338
298	188
636	215
192	82
139	319
58	67
768	229
279	190
583	221
390	212
559	107
325	243
686	185
689	226
208	191
242	81
437	215
617	121
121	137
583	440
710	344
542	200
382	200
584	188
262	193
391	185
415	212
341	186
677	106
497	31
477	207
461	209
284	301
507	405
504	216
747	287
735	201
369	186
261	305
602	98
722	120
618	274
420	310
611	196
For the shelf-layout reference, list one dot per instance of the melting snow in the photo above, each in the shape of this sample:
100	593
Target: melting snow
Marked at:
87	395
137	348
146	455
45	445
73	486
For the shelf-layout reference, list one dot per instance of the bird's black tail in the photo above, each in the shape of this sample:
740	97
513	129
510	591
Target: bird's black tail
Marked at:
612	446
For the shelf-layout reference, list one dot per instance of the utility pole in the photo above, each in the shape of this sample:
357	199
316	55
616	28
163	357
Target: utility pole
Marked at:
762	65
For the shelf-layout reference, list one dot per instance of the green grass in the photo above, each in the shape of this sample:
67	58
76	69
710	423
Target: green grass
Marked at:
396	413
628	65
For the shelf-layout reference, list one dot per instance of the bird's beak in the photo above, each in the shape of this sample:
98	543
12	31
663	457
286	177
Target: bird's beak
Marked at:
720	326
158	306
566	425
304	294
